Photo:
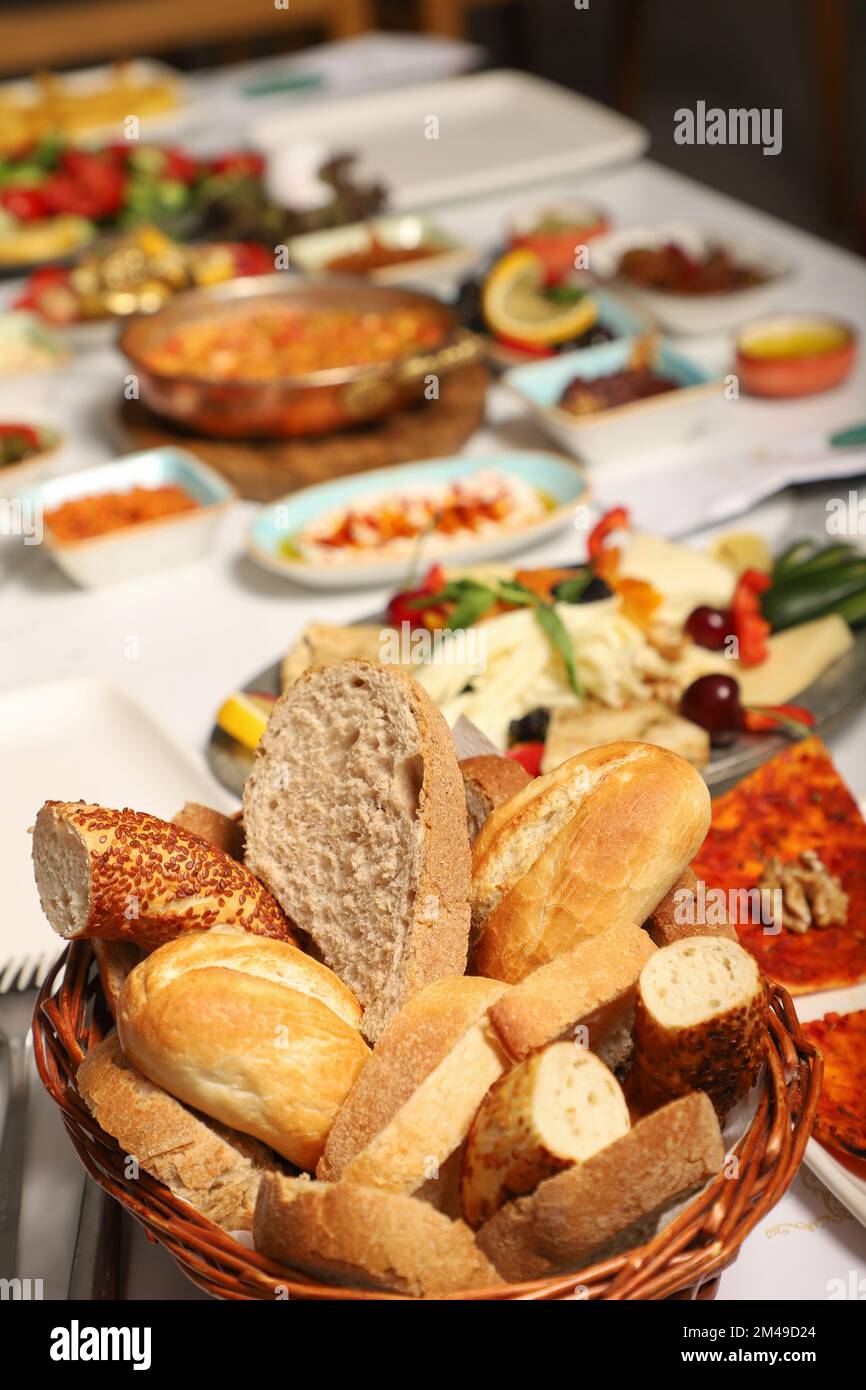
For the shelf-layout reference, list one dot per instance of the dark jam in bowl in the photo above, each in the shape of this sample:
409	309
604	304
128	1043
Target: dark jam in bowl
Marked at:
584	397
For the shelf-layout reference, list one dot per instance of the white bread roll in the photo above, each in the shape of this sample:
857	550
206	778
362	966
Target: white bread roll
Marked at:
214	1169
592	986
488	780
603	1205
603	836
555	1109
125	875
252	1032
700	1022
355	818
681	913
416	1098
361	1237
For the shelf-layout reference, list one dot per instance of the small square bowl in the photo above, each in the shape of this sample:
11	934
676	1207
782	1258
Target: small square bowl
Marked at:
693	313
311	252
148	545
624	429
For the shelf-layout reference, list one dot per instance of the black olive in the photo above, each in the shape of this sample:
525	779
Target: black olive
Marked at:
596	589
532	728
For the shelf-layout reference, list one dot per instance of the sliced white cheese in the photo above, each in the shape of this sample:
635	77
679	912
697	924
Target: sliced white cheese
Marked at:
797	657
684	578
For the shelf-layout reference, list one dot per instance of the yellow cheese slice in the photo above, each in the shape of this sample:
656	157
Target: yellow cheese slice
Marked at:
797	657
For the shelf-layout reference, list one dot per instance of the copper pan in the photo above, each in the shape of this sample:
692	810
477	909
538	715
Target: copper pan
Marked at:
314	403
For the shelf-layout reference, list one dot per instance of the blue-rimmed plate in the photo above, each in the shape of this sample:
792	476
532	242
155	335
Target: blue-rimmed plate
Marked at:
560	482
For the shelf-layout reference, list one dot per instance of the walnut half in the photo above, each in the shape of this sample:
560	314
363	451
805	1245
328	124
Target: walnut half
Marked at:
811	895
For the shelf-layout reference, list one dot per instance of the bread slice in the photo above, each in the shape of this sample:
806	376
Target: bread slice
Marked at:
700	1022
489	780
361	1237
592	987
557	1108
605	1204
128	876
356	820
115	959
213	1168
223	832
603	836
681	913
417	1096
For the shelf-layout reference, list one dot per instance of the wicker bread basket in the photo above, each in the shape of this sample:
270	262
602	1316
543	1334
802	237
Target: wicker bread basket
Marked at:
682	1261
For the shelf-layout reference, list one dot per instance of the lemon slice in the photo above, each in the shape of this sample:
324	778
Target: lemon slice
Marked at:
245	717
515	306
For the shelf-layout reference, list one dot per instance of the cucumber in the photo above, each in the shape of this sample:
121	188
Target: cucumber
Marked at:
796	554
829	558
853	609
808	596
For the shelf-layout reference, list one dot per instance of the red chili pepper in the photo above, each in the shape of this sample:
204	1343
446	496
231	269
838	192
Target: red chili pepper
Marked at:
759	721
529	756
24	204
750	626
398	609
616	519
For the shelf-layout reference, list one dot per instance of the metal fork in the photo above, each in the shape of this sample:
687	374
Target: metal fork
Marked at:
19	982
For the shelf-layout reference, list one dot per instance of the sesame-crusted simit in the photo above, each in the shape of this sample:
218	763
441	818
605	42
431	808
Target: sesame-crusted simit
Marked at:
128	875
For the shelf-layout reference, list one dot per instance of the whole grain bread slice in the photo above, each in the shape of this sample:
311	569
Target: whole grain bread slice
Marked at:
215	1169
356	820
489	780
365	1238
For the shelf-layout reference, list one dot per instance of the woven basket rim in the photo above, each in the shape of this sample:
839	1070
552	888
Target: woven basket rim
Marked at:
71	1017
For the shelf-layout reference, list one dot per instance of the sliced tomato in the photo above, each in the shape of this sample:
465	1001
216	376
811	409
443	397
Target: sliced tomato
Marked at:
24	204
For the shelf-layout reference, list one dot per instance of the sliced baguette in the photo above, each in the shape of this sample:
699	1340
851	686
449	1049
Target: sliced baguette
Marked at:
591	987
603	836
700	1023
681	913
413	1103
128	876
555	1109
356	820
489	780
213	1168
364	1238
603	1204
223	832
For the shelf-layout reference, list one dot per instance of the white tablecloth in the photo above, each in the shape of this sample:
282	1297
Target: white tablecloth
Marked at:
202	631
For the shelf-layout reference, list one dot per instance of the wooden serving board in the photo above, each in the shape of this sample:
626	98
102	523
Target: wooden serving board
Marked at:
265	469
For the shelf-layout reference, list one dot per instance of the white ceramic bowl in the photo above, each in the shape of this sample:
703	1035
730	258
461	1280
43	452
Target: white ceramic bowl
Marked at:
693	313
150	545
626	429
311	252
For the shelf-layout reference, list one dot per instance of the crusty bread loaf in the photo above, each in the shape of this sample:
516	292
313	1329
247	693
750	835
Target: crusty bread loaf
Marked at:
416	1098
681	913
114	960
488	780
128	876
557	1108
700	1023
602	836
250	1031
355	818
223	832
213	1168
590	987
599	1206
365	1238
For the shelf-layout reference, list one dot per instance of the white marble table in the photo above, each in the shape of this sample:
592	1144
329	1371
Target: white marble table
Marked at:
200	632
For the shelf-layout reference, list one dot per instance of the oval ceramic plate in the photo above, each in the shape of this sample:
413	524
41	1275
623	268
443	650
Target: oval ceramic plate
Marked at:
560	480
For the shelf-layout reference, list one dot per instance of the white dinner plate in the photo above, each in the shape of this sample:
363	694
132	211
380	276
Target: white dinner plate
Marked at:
461	137
73	740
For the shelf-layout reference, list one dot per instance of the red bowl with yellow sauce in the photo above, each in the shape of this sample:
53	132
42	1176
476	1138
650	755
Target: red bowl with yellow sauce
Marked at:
795	355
